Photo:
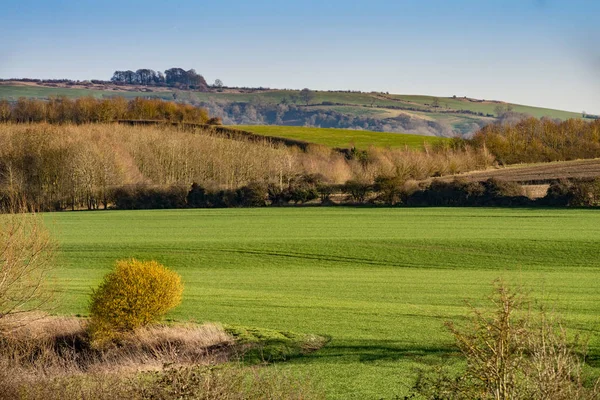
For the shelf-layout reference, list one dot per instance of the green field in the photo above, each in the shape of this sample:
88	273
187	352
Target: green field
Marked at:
342	138
379	281
486	107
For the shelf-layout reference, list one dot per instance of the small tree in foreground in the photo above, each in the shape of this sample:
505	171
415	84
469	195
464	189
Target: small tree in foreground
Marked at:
134	294
511	353
26	254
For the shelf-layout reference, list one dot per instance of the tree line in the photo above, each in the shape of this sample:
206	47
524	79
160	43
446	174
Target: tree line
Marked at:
172	77
92	166
540	140
59	167
90	109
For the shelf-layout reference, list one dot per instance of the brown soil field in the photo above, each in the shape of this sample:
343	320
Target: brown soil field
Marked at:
537	173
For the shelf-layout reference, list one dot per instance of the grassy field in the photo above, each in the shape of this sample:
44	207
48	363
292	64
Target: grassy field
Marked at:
30	91
342	138
379	282
486	107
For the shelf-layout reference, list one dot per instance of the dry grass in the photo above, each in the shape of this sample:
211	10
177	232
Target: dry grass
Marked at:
50	358
60	346
536	191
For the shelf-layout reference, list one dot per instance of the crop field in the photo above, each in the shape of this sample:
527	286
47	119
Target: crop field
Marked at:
379	282
539	172
343	138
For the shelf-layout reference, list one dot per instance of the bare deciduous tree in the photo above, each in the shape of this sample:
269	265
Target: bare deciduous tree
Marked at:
26	254
307	95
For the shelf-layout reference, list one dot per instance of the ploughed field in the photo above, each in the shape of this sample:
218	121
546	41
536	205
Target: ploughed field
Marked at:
379	281
541	172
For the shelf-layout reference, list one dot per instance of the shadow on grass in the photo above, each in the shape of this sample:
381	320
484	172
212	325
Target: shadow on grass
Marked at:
374	351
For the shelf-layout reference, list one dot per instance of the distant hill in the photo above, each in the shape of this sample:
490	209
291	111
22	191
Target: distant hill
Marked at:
375	111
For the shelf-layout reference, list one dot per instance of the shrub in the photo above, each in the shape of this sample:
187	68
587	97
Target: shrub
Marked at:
135	294
197	197
277	195
575	193
143	197
558	194
585	193
455	193
389	189
304	188
512	354
356	190
492	192
252	195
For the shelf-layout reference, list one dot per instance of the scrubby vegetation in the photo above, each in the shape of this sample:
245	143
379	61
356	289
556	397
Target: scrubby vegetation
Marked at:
60	110
51	358
512	353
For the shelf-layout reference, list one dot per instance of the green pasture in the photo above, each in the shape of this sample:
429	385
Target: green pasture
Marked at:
15	92
379	282
486	107
342	138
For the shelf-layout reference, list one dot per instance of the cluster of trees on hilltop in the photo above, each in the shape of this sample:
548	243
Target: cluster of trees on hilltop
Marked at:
173	77
61	110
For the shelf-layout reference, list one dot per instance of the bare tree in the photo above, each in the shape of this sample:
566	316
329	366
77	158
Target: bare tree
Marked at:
26	253
307	95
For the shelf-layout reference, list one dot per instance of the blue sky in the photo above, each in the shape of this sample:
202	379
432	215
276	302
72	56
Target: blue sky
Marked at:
538	52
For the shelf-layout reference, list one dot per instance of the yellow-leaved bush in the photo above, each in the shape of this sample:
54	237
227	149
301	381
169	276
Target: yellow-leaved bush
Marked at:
134	294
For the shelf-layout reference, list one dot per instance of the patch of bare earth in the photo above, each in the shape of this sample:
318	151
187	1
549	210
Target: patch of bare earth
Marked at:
538	174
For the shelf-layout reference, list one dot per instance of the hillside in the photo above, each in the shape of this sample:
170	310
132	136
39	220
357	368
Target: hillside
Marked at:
424	115
342	138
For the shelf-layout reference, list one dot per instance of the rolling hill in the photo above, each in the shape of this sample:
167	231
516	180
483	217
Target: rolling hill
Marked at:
375	111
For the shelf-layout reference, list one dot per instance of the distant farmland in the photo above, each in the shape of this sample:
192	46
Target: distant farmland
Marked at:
343	138
375	111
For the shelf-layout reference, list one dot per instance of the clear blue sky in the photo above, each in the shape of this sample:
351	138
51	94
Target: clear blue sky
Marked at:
538	52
